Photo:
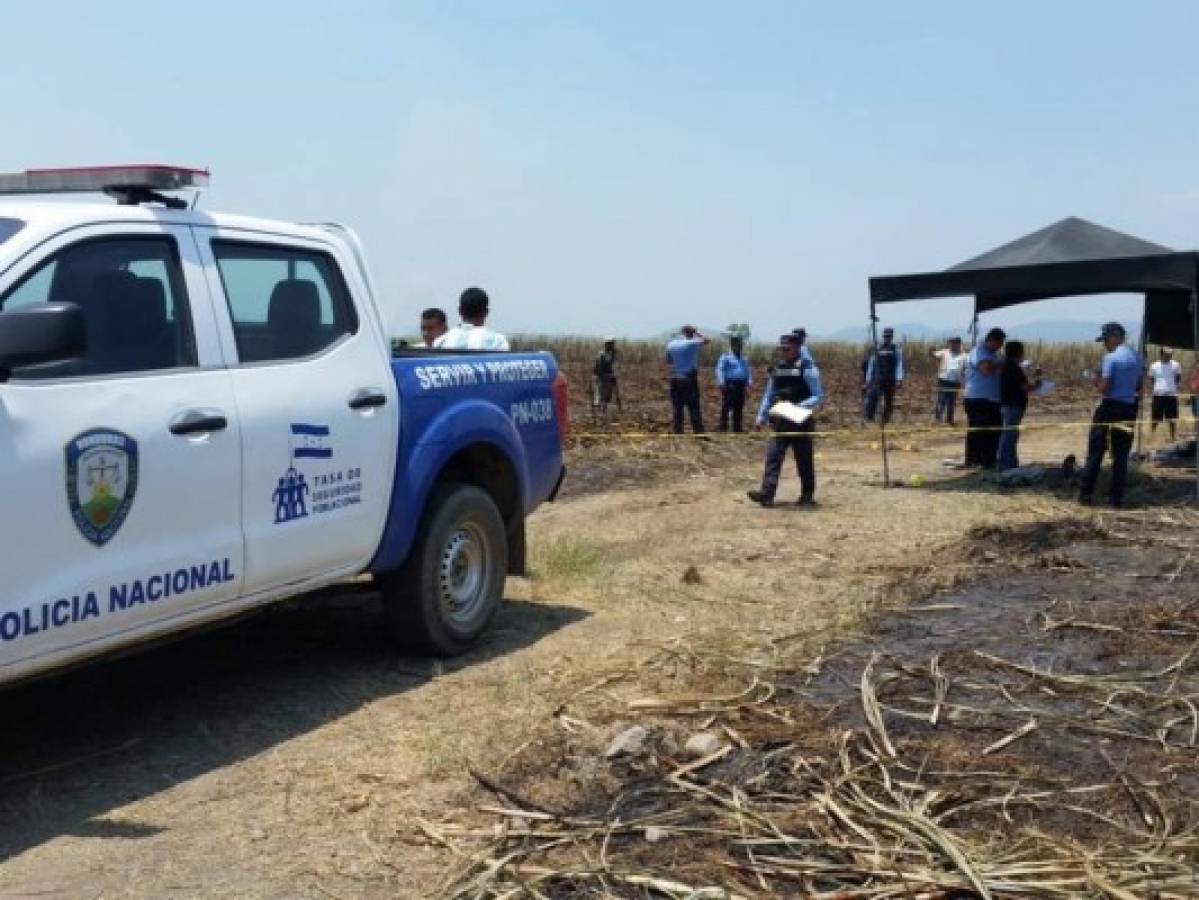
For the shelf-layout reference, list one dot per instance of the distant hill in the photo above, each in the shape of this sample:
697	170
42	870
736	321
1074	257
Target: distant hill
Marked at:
1053	331
910	331
665	336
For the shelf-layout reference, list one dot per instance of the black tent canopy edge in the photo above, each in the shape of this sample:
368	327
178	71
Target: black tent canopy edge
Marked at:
1069	258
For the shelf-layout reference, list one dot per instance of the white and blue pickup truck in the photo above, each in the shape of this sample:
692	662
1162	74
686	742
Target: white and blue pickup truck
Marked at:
201	414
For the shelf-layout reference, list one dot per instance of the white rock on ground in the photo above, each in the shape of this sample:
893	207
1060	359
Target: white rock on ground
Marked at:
629	742
702	743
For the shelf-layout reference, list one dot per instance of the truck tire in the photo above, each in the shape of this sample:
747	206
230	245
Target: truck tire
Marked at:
450	586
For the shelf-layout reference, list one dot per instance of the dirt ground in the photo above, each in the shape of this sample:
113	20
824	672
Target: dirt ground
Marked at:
297	755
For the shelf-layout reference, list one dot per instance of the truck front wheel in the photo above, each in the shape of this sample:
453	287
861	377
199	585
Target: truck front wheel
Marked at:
452	582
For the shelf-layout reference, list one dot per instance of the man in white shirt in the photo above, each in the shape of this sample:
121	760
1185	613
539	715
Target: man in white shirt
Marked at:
1167	377
472	334
951	370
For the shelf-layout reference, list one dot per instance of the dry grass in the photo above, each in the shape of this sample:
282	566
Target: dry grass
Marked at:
970	775
303	758
567	557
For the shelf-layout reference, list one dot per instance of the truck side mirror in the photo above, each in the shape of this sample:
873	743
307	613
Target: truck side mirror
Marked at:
47	332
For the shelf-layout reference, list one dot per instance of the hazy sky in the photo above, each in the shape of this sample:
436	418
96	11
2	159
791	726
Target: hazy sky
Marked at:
625	166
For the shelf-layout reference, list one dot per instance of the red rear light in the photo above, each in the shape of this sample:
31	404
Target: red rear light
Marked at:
562	405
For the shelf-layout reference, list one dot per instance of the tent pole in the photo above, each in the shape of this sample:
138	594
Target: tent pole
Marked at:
962	395
1144	343
882	425
1195	360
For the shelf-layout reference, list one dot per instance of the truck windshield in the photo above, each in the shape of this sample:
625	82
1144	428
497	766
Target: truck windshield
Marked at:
9	227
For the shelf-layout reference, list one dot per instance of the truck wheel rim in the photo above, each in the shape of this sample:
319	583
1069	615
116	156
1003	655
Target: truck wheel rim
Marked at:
464	569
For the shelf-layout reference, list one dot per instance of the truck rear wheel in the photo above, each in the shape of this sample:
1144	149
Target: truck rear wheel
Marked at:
452	582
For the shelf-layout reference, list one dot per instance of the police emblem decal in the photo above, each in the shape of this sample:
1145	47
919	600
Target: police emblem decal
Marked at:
291	495
102	469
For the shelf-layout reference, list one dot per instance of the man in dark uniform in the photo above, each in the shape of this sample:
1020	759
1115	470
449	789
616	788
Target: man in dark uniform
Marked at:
883	376
604	374
794	380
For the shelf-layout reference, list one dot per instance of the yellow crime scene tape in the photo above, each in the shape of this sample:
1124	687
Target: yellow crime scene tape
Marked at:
865	434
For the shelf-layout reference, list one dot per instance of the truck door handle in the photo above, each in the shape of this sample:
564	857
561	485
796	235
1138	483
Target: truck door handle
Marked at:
367	398
198	421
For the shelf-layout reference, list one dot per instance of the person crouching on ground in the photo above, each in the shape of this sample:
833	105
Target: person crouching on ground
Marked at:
984	416
797	381
1119	385
1014	388
682	358
734	377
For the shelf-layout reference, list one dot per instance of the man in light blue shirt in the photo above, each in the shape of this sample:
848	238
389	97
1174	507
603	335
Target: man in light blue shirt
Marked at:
984	415
796	381
1119	384
734	377
682	358
804	352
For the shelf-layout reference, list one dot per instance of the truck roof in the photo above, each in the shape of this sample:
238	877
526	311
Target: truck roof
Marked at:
55	216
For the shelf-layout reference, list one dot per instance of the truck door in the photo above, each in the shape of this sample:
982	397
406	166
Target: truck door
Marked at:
120	470
317	402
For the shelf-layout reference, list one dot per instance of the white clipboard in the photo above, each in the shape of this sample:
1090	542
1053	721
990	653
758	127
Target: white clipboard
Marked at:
790	412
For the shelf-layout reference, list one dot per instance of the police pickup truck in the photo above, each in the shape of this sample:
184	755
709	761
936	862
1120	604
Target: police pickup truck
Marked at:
201	414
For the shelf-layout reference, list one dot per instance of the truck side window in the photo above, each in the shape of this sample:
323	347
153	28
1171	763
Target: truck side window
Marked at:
285	303
133	299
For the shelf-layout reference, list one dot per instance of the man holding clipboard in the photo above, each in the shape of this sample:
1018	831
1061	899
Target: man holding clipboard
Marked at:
793	394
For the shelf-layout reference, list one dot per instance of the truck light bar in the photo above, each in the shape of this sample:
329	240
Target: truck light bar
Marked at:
129	184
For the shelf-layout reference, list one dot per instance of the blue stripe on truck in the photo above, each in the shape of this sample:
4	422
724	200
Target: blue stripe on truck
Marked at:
449	403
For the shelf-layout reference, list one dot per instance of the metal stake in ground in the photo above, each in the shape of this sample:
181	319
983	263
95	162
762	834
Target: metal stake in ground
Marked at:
1195	348
882	420
1144	343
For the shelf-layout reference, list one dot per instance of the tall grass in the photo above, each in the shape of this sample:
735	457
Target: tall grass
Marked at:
643	377
1063	362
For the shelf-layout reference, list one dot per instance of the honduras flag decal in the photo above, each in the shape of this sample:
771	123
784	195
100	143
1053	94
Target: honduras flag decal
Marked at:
310	441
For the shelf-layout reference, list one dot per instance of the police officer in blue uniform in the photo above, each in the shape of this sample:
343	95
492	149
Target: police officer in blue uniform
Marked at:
795	379
734	377
1119	384
804	352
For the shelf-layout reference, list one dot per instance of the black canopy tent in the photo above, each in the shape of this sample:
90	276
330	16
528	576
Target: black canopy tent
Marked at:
1070	258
